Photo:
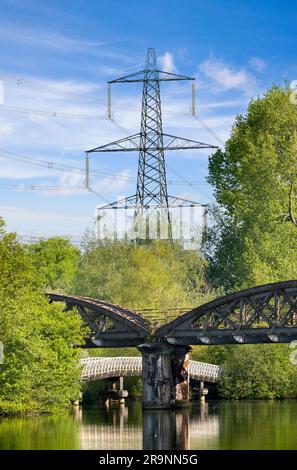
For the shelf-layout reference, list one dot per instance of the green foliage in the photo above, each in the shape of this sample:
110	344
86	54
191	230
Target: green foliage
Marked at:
40	371
157	275
257	372
211	354
92	391
111	352
261	371
255	238
56	262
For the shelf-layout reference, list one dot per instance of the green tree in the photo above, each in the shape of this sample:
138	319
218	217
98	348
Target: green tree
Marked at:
258	372
255	178
40	371
157	275
56	261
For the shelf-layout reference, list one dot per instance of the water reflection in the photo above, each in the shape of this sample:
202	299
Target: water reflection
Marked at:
176	429
115	427
214	425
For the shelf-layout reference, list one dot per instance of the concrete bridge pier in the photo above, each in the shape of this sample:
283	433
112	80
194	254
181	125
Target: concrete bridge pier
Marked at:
115	391
202	392
165	375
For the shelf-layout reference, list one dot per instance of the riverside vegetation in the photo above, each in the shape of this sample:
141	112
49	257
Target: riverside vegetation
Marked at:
252	241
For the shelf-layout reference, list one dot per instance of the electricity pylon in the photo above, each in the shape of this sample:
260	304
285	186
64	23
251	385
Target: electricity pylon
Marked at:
151	143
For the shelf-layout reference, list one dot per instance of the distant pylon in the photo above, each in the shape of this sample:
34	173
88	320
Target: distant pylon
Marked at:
151	191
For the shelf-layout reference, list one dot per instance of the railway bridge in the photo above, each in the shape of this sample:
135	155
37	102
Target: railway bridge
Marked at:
262	314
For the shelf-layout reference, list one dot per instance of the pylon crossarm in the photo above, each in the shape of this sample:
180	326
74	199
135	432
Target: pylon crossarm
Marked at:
174	201
131	203
132	77
167	76
132	143
159	76
125	203
127	144
172	142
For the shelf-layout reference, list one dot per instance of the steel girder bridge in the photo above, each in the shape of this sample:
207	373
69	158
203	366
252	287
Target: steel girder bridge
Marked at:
262	314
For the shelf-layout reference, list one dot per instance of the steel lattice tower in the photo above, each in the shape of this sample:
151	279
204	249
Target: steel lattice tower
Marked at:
150	142
151	179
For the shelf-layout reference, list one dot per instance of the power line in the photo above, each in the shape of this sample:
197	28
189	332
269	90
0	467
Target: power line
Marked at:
209	129
34	85
58	166
59	114
34	238
50	164
36	187
53	114
20	81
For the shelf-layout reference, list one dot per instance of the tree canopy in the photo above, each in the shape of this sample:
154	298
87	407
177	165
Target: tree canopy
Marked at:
255	182
40	370
56	262
157	275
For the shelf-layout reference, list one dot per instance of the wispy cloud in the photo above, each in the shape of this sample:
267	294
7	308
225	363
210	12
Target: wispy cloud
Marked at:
51	39
6	129
166	62
257	64
106	186
226	77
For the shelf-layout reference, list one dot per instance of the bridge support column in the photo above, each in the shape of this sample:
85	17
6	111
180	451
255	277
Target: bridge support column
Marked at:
165	375
121	391
202	392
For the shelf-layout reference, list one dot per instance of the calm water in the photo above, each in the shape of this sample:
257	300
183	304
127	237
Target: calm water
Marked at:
215	425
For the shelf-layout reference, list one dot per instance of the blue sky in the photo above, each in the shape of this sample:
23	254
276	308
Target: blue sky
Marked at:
56	57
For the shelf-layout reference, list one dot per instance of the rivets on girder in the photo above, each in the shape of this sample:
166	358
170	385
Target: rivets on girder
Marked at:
204	339
273	337
238	338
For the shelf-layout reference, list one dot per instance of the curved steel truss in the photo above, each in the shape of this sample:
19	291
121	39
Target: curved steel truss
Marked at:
111	325
263	314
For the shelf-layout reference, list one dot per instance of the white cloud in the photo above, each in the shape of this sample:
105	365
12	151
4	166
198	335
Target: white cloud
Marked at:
258	64
18	170
167	63
6	129
226	77
76	181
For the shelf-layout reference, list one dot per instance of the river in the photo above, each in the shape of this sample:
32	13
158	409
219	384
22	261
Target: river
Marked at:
214	425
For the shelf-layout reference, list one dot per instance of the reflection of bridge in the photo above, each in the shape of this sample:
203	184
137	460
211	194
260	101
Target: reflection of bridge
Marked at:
155	429
94	368
263	314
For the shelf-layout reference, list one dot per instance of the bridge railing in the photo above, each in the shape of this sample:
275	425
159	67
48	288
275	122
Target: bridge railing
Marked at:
204	371
104	367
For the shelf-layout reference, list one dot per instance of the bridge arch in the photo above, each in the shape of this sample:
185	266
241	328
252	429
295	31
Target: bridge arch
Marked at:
262	314
111	325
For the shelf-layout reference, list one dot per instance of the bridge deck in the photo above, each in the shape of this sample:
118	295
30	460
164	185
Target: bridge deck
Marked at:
94	368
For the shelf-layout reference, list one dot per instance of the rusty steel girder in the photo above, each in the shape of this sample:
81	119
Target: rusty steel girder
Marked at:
263	314
111	325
